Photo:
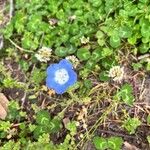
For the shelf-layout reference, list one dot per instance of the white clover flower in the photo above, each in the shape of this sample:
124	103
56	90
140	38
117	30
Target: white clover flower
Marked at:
74	60
53	21
72	17
84	40
117	73
44	54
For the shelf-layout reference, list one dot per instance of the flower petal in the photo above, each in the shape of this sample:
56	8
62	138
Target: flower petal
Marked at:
72	77
65	64
50	82
61	89
52	69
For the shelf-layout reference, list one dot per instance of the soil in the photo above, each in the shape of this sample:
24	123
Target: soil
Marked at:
111	129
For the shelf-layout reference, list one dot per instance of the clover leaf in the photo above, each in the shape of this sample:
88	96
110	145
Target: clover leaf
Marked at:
83	54
112	143
125	94
43	118
100	143
131	124
115	41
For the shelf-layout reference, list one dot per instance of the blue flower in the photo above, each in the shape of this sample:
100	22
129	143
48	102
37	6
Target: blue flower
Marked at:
60	76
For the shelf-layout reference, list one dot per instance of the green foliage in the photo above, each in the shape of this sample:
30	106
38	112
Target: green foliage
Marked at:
71	126
126	94
148	139
103	76
42	143
64	23
131	124
69	142
148	119
4	128
11	145
112	143
115	41
83	54
14	111
44	124
38	76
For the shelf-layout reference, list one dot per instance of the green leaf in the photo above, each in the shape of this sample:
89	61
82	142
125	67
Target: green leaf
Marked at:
125	32
97	54
132	40
61	51
71	49
37	76
83	54
115	41
148	139
95	3
39	130
143	48
29	41
88	83
126	95
137	66
34	22
146	39
115	143
108	62
106	52
13	111
20	20
131	9
145	27
24	65
100	143
8	31
143	1
148	119
5	126
99	34
43	118
60	14
90	64
131	124
71	126
54	125
103	76
101	42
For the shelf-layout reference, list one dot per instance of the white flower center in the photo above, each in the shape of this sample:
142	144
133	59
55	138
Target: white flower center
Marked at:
61	76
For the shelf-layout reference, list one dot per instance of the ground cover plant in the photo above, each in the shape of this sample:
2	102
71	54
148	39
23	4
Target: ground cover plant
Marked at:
74	75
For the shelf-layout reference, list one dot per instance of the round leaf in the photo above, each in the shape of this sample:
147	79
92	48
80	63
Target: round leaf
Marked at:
61	51
43	117
125	32
144	48
83	54
115	41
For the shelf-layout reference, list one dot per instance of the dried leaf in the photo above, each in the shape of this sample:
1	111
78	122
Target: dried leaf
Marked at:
3	112
128	146
4	101
3	106
51	92
66	121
